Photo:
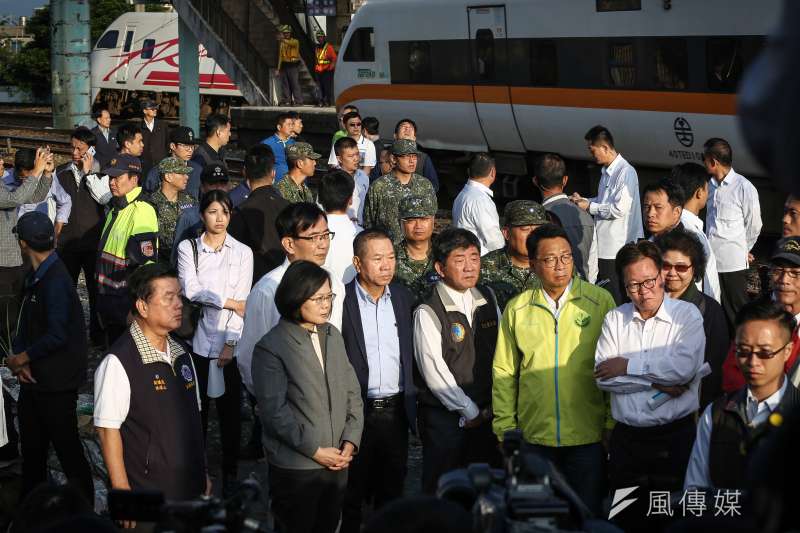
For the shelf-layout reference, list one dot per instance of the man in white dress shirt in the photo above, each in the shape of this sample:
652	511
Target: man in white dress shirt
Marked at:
474	209
650	346
336	195
733	223
455	332
693	179
738	420
616	208
304	234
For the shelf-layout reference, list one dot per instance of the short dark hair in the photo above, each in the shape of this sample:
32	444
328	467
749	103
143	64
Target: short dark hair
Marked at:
545	231
259	162
766	309
344	143
282	117
405	121
361	240
84	135
301	280
348	106
214	122
294	115
297	217
599	134
215	195
348	116
125	133
453	239
674	192
97	110
691	177
140	282
719	150
371	125
689	245
634	252
24	159
480	165
335	190
549	170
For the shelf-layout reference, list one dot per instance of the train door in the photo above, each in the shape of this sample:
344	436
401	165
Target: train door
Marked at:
127	46
490	88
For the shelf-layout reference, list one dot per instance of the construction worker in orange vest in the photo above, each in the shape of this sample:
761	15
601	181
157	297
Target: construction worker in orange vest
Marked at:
326	64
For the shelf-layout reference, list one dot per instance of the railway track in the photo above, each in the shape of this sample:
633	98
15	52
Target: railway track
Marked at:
57	146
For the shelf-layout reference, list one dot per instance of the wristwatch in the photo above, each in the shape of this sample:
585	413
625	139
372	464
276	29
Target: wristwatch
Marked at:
232	343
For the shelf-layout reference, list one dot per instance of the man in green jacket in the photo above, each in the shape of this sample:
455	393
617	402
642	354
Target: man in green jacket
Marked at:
543	381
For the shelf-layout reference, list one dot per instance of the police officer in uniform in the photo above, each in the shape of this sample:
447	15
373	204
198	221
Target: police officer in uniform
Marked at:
414	260
129	239
385	193
507	270
147	406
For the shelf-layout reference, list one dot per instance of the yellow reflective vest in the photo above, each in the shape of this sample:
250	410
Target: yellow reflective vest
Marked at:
129	239
543	370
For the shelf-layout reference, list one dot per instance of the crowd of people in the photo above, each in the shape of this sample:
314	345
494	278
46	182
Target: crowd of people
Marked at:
615	331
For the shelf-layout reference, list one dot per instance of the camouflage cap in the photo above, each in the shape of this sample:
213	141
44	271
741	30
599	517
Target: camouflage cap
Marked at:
285	28
300	151
417	207
174	165
524	213
787	249
404	147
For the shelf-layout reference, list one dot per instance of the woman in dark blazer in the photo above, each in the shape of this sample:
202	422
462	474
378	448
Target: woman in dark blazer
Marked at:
310	404
684	264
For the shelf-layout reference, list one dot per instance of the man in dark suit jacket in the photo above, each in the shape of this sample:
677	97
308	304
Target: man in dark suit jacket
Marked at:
106	147
376	326
253	221
155	134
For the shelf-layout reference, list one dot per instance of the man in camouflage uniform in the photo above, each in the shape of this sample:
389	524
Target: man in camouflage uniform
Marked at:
383	198
302	161
414	261
507	270
170	201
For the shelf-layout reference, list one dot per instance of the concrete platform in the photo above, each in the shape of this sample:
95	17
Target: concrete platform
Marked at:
256	123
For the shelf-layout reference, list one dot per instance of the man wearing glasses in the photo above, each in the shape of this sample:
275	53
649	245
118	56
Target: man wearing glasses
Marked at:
764	332
648	346
542	371
784	276
182	142
366	148
303	232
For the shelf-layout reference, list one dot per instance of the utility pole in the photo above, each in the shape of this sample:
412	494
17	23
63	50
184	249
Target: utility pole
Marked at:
189	84
70	67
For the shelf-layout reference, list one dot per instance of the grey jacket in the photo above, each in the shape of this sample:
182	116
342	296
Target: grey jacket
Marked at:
32	191
301	407
579	227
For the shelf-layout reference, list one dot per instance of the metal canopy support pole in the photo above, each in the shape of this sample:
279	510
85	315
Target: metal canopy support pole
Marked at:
71	80
189	66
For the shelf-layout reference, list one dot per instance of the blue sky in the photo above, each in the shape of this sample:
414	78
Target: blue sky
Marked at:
20	7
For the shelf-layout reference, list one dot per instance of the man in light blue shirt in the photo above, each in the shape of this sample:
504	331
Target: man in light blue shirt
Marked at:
278	143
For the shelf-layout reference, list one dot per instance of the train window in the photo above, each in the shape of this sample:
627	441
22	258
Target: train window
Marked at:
128	41
442	62
450	62
672	64
361	46
622	66
484	55
544	62
727	58
147	48
108	40
619	5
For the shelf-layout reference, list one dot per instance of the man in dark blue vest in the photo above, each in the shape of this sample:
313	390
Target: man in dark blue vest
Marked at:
50	360
455	332
147	408
376	327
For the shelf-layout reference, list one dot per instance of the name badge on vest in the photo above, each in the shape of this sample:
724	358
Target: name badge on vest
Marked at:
489	323
147	248
188	377
159	383
457	332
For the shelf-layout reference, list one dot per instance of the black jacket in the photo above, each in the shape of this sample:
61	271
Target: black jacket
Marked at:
86	218
105	149
353	333
156	144
52	330
253	223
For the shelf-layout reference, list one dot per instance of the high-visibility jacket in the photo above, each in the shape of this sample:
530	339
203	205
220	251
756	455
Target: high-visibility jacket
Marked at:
543	371
326	58
129	239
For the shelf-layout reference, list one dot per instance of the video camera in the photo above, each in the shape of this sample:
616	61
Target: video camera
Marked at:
203	514
527	495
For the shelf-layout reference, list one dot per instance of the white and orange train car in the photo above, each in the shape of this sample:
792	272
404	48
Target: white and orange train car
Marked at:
519	77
